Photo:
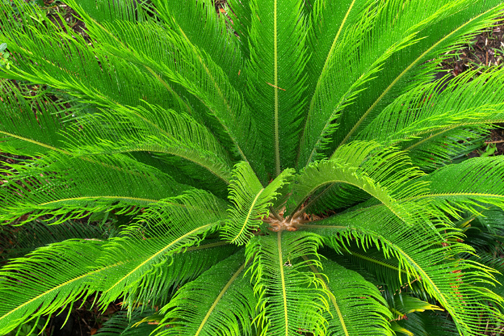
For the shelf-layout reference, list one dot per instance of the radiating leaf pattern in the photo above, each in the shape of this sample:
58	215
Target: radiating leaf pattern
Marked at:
281	167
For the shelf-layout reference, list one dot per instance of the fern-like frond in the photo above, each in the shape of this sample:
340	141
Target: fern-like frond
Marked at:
182	62
472	185
276	83
382	29
67	187
155	130
251	202
376	268
381	175
16	242
219	302
67	63
165	279
241	19
448	23
46	281
425	110
357	308
209	32
169	226
426	258
28	126
292	297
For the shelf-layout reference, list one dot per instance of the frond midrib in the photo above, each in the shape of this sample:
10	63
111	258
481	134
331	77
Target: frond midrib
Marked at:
409	67
198	229
219	297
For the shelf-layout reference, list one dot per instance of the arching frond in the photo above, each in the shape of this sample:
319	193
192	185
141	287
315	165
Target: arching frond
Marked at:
182	62
47	280
380	175
28	127
67	63
170	226
219	302
471	185
66	187
165	279
384	271
241	19
292	297
16	242
421	254
357	307
436	27
382	29
128	129
424	110
251	202
209	32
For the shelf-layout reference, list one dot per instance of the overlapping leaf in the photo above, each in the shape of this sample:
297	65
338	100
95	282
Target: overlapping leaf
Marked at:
291	296
251	202
219	302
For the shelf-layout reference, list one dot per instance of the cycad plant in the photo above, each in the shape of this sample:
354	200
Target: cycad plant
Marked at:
286	167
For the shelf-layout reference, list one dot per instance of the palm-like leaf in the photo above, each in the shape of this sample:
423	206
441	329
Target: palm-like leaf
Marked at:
353	301
60	287
292	297
209	132
228	299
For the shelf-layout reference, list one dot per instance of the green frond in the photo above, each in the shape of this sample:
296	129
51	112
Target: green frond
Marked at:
376	268
382	30
21	120
165	279
425	120
251	202
336	27
241	20
219	302
425	110
420	253
199	132
46	281
209	32
382	175
275	79
472	185
436	26
334	197
432	152
120	324
357	307
155	130
110	11
80	71
170	226
292	297
182	62
16	242
66	187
